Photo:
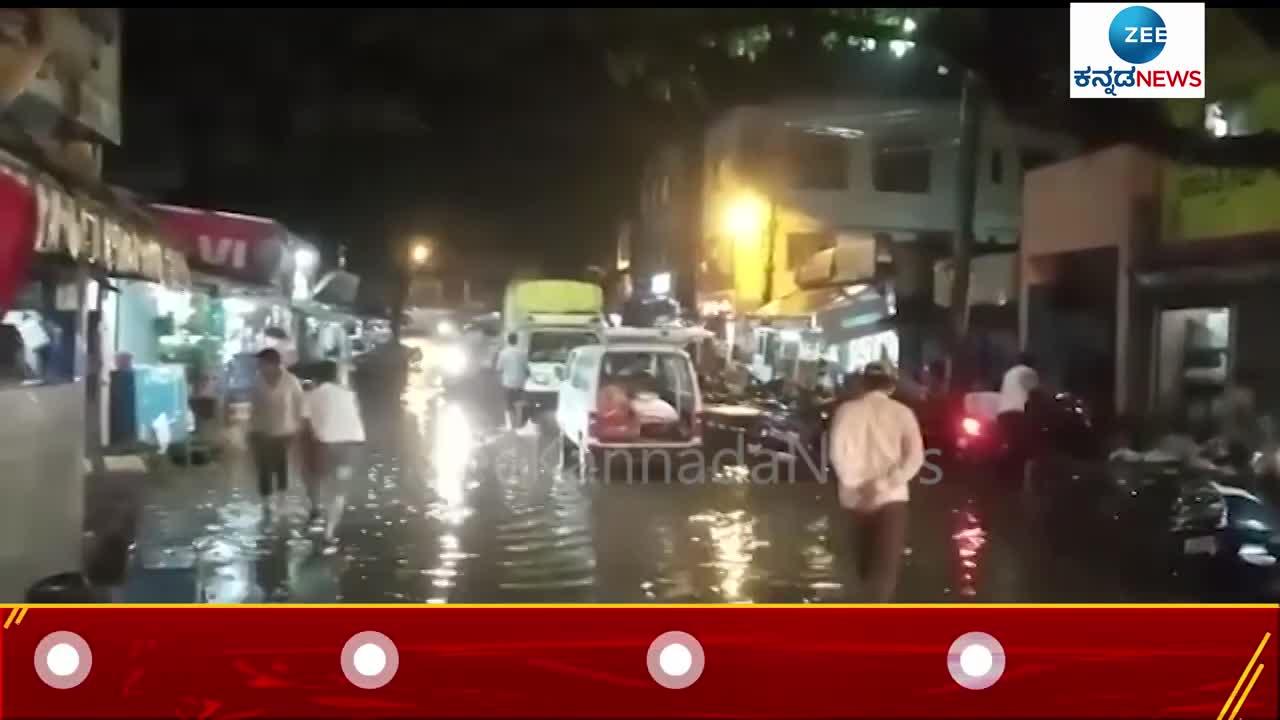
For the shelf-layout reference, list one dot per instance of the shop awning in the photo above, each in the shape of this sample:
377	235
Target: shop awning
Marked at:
801	303
338	288
839	314
43	216
243	248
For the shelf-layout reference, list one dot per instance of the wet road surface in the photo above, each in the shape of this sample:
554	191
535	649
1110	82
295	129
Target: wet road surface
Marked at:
452	507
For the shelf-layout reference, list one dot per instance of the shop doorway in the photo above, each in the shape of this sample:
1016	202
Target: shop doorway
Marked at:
1193	361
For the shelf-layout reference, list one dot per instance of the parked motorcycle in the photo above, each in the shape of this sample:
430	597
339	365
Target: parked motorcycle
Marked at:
1199	525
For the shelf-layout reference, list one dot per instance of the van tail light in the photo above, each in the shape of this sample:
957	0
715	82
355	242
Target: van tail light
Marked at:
971	427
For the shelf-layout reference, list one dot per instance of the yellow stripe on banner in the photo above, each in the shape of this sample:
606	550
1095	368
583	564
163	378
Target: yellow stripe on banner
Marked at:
13	612
1227	705
21	614
1247	689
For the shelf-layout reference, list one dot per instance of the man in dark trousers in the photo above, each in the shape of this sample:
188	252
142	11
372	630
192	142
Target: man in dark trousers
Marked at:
276	419
876	449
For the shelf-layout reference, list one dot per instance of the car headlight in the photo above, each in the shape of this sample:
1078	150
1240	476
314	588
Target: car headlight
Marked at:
453	361
1198	508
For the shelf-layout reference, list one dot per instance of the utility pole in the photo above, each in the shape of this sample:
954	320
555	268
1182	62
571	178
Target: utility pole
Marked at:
972	109
771	234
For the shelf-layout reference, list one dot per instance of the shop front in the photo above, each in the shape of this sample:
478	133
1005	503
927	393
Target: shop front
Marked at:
242	269
327	324
61	246
846	326
1206	296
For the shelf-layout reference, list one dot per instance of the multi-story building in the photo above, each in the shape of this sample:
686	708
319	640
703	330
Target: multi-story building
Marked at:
1151	284
803	202
783	182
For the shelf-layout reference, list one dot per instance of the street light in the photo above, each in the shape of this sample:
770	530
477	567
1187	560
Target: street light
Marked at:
745	218
420	254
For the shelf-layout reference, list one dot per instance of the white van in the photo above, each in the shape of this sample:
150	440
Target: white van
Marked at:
547	348
629	396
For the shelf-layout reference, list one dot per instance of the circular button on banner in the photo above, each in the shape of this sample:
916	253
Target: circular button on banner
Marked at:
370	660
976	661
675	660
63	660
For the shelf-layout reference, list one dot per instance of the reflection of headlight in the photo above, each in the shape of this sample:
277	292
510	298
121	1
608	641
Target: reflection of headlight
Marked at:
446	328
453	360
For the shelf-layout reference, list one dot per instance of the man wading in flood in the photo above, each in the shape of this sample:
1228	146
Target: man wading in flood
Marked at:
277	417
876	449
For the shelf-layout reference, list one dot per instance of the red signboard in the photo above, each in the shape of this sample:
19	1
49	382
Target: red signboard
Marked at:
238	247
623	661
17	228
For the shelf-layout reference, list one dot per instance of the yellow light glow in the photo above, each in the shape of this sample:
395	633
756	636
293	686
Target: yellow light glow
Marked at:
421	253
745	217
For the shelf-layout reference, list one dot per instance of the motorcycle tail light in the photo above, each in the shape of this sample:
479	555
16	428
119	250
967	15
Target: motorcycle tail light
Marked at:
971	427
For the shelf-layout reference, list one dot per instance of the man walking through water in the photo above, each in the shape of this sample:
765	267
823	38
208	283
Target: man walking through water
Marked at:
876	449
276	419
513	370
337	432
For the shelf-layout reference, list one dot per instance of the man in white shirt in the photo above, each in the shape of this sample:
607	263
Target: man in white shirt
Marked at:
876	449
513	370
276	419
1015	390
337	432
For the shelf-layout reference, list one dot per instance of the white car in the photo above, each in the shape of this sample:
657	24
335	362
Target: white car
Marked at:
632	396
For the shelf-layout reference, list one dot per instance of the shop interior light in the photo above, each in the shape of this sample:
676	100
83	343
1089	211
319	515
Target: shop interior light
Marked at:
661	284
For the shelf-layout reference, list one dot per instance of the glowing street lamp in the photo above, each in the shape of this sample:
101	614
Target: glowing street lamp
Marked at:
745	218
420	254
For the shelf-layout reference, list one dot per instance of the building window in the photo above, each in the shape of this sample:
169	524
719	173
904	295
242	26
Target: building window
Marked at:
997	167
899	167
802	246
1033	158
817	162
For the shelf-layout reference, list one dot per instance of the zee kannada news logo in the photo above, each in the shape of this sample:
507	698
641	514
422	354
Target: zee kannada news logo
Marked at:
1137	36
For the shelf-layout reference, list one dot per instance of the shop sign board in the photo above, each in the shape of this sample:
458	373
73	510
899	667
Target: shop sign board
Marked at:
238	247
1205	203
83	230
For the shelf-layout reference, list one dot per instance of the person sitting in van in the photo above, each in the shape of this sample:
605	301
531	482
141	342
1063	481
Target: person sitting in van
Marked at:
648	406
614	414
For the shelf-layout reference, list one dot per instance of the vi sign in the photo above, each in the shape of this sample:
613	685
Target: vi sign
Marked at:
224	252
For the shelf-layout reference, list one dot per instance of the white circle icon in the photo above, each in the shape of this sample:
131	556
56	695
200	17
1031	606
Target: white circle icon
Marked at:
976	661
675	660
370	660
63	660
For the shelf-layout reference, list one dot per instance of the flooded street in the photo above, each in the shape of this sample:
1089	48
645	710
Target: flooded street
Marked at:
453	508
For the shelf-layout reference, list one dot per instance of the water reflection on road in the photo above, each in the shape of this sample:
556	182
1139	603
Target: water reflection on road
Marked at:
452	507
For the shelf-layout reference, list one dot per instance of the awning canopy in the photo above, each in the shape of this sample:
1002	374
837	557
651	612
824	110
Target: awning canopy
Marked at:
839	313
338	288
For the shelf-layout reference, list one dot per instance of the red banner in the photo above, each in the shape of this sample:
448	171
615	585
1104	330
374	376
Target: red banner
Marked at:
17	234
624	661
229	245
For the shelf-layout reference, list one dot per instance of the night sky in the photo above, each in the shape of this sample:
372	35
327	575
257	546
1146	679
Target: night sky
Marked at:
500	129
